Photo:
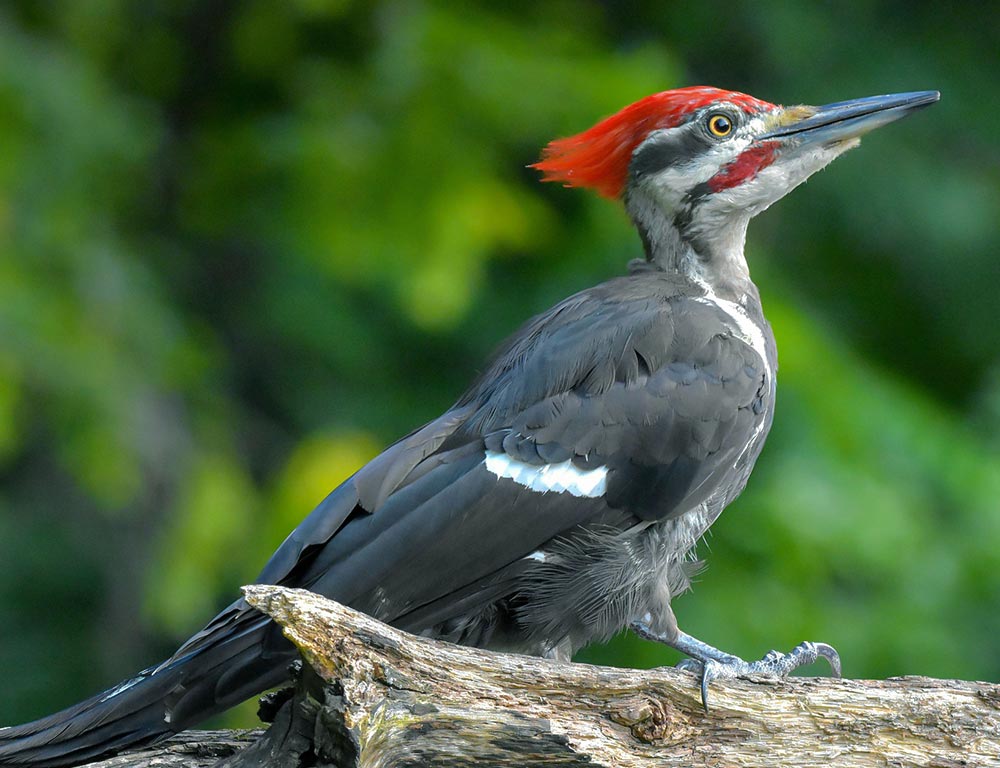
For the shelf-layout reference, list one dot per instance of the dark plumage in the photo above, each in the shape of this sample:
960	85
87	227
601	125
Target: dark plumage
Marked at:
560	498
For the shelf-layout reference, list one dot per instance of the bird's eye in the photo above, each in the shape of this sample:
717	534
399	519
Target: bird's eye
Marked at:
720	125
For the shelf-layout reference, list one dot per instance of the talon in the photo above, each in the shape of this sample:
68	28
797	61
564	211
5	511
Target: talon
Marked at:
829	653
711	669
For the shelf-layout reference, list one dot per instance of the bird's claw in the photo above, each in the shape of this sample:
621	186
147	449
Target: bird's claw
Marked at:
773	664
710	663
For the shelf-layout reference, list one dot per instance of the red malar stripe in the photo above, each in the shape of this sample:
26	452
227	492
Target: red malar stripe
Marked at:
744	167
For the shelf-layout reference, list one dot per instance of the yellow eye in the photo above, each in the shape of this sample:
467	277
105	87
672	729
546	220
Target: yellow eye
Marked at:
720	125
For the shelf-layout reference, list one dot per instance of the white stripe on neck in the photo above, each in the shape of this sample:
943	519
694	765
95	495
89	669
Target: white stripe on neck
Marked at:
749	332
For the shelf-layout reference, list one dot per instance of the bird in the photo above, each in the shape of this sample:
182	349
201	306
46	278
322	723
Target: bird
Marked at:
560	499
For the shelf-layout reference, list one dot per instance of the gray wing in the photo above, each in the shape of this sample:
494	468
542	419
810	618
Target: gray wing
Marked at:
664	391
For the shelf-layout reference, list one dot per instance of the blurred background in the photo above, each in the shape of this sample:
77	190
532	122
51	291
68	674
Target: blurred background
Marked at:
245	245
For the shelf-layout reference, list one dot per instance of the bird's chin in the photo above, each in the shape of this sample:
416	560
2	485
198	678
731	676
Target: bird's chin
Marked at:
794	165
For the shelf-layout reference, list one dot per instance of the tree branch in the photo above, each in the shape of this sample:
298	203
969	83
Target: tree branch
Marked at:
372	695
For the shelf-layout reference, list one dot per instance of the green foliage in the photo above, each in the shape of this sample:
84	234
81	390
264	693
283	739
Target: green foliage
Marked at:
244	245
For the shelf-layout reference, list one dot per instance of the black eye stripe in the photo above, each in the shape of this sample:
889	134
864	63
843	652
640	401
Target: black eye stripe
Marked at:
663	152
677	146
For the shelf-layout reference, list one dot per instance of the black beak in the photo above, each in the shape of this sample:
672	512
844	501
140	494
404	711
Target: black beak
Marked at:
848	119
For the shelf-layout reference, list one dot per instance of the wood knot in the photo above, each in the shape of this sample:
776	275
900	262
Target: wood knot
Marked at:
652	721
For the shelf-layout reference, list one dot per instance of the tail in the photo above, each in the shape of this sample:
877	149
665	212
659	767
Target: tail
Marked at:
238	655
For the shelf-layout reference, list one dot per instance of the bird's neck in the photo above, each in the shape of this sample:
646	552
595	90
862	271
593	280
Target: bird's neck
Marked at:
710	256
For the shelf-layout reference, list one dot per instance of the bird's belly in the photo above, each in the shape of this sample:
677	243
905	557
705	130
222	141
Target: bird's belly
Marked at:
587	587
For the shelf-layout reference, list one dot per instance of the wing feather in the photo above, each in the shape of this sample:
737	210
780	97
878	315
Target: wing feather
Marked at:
660	389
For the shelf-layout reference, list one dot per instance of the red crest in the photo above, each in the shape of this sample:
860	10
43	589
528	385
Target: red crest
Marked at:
599	157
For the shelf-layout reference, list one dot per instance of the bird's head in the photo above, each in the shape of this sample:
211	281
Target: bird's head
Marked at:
693	165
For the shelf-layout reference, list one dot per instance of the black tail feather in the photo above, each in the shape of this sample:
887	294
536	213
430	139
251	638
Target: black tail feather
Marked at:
227	665
131	714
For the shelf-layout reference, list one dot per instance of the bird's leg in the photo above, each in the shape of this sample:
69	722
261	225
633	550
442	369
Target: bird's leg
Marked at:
715	664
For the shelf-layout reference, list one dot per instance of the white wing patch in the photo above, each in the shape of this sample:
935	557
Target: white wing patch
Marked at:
556	478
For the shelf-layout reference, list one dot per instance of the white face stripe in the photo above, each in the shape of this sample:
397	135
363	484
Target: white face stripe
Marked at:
557	478
670	185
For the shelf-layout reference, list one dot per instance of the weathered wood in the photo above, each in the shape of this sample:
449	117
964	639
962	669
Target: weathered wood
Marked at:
404	700
372	696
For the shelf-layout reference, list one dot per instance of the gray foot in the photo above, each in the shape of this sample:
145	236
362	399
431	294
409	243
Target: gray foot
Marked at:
713	664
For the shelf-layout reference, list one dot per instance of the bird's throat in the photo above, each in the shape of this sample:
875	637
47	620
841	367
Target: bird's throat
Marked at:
712	257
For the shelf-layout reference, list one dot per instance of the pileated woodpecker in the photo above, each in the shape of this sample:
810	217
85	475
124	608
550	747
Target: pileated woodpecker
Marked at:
559	500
